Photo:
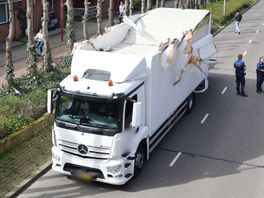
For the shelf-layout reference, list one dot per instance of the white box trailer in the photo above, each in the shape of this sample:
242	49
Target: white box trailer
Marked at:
126	89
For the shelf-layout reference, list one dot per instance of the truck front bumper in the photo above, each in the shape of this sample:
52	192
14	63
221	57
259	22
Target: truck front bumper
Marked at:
112	171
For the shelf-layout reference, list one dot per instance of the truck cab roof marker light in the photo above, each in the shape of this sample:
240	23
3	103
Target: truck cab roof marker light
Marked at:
75	77
110	83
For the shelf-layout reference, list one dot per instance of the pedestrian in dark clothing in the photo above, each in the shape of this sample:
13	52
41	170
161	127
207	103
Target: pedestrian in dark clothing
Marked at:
238	18
260	74
240	68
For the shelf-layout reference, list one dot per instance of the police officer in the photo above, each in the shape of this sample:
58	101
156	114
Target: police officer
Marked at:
240	68
260	74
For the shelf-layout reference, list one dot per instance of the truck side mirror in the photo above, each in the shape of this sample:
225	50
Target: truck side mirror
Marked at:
136	116
50	100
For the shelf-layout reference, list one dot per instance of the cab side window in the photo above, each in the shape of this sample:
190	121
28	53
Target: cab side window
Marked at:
129	110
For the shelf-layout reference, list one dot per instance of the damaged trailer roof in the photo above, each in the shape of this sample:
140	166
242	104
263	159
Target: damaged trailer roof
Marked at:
163	23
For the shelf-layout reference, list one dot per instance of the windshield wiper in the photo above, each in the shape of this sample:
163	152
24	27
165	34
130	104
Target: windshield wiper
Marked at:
92	129
68	124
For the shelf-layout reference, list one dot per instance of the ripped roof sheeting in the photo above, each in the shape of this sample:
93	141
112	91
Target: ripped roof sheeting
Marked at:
163	23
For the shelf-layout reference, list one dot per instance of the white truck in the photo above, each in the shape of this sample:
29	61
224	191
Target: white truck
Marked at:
127	88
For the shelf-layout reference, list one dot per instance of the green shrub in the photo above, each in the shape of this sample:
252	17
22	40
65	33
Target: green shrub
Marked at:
19	110
137	4
65	62
16	123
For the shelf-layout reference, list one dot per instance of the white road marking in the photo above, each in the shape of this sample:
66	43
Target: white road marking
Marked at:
262	23
257	31
245	53
250	41
224	90
175	159
205	117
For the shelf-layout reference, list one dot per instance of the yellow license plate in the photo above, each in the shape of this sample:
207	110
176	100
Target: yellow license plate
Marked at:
83	176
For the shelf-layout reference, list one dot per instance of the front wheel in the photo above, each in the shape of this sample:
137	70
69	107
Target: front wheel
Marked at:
190	103
139	160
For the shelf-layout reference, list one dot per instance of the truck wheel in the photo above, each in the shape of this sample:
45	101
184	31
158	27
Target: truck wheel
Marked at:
139	160
190	103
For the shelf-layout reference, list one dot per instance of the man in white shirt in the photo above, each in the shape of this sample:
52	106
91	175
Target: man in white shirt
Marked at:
121	11
39	39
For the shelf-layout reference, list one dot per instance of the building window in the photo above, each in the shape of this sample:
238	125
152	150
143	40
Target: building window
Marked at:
4	10
3	13
51	6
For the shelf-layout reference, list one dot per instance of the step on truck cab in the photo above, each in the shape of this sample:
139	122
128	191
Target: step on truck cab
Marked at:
127	88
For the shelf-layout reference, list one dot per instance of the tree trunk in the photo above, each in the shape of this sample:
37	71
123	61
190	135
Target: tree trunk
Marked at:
126	7
157	3
111	13
179	4
32	59
162	3
85	20
9	62
47	61
149	5
130	7
99	17
176	3
197	2
70	33
143	6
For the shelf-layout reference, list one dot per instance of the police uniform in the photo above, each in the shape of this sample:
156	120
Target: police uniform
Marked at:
240	67
260	76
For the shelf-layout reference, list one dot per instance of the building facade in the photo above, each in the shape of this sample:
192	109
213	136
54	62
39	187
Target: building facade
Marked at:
57	11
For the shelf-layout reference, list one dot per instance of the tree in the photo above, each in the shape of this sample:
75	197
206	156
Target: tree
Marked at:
85	20
143	6
126	7
9	62
177	4
99	17
162	3
111	13
70	33
157	3
149	5
130	7
47	60
32	59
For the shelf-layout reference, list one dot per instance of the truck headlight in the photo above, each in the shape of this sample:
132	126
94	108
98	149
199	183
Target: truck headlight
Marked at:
113	169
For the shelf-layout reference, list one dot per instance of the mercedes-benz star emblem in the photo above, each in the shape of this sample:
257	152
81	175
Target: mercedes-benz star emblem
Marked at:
82	149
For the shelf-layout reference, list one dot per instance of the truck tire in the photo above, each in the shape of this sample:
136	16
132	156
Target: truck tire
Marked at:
139	160
190	103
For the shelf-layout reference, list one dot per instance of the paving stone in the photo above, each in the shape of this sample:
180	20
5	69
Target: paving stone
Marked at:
19	163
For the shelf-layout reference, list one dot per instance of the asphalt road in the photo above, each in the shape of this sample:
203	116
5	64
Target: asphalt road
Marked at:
219	147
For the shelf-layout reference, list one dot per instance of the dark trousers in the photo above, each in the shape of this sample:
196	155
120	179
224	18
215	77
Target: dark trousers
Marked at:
240	83
120	17
260	79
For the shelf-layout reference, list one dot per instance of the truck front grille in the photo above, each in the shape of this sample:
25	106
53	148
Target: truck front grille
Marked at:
93	152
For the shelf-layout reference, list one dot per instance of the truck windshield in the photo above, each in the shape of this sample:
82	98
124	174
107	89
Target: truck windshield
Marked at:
90	112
